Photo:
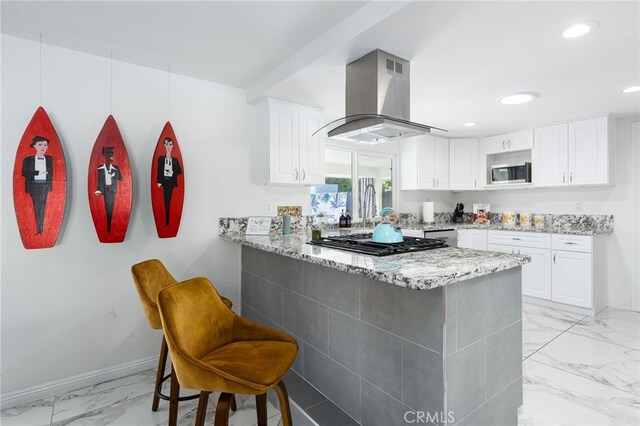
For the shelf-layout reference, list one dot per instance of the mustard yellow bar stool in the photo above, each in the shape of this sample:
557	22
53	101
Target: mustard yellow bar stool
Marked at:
150	277
215	350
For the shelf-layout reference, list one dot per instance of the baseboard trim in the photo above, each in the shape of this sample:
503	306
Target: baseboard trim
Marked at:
625	306
563	307
69	384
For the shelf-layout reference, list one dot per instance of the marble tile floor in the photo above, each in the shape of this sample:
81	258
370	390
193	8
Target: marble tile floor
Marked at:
577	371
580	370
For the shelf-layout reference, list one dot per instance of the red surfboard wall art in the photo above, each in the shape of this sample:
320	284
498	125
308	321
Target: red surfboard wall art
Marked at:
39	183
167	183
110	187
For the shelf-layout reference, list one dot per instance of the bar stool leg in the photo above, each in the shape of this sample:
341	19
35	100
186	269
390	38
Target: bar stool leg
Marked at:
261	409
162	363
234	407
222	410
173	401
202	408
283	398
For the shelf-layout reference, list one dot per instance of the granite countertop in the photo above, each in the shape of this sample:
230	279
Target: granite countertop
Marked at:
419	270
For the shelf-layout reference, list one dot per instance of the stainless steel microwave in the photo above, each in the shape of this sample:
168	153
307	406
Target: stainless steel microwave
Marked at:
520	173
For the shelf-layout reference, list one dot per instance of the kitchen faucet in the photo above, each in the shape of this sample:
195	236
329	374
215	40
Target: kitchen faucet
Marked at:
365	203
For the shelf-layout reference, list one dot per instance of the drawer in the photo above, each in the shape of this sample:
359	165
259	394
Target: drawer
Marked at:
580	243
522	239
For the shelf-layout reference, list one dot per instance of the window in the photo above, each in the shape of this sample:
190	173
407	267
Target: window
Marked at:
330	199
347	174
374	183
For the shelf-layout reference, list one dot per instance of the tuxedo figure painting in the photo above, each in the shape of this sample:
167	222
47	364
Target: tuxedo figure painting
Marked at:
38	176
110	184
167	176
167	183
39	183
107	183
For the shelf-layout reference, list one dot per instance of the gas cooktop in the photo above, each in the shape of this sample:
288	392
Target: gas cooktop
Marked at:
362	243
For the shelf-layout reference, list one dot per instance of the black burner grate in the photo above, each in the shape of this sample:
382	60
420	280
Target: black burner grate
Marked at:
362	243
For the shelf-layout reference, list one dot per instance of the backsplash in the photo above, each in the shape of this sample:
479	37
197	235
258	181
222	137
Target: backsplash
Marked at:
238	225
557	222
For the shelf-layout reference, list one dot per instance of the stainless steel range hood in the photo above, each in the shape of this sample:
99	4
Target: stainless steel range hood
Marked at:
377	102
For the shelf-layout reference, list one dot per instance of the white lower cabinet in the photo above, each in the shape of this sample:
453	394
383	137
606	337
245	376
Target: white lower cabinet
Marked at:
536	276
572	278
472	238
564	270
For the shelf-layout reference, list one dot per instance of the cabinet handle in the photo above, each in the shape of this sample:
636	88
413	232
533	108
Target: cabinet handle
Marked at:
513	251
518	251
571	177
573	243
516	238
304	175
475	183
554	258
509	143
503	148
564	177
437	183
296	172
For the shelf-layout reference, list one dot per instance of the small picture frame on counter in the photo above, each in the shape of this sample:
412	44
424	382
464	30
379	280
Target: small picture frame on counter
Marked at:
258	225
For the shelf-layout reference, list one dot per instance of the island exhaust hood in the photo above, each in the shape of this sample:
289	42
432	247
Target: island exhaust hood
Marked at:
377	102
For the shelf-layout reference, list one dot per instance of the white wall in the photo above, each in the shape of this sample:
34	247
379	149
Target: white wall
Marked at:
73	308
619	200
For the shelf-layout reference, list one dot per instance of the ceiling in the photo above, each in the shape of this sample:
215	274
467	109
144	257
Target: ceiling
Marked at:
232	43
464	55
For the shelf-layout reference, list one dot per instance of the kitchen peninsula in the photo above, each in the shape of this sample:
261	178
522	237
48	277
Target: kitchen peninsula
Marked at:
436	334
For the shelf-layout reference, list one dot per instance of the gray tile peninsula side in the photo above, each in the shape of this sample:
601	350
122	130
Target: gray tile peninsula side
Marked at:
419	271
386	354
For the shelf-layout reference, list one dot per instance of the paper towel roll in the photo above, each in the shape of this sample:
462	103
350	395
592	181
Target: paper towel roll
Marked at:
427	212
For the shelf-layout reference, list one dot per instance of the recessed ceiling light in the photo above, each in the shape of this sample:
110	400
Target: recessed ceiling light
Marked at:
631	89
579	29
517	98
470	124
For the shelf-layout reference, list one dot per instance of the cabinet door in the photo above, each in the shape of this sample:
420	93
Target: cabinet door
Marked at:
311	148
520	141
536	276
550	155
572	278
426	172
441	162
477	239
463	238
588	152
494	144
284	141
463	163
409	163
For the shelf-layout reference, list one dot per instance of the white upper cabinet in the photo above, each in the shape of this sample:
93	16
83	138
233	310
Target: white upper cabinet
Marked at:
588	151
463	154
515	141
286	153
441	162
576	153
424	163
311	148
550	155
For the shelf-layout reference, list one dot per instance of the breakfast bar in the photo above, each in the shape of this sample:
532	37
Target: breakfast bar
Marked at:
433	335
